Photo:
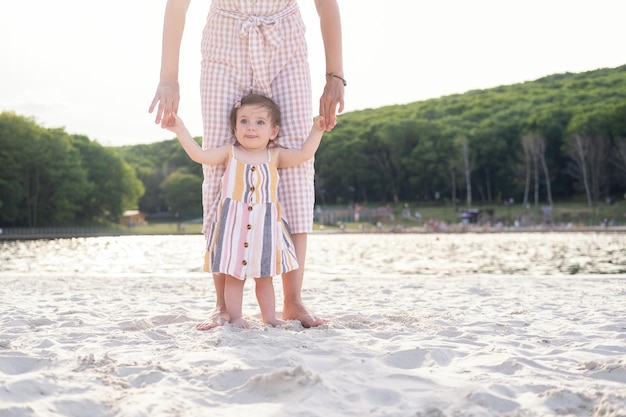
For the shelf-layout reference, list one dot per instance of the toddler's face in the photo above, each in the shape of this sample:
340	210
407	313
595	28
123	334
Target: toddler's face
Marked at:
254	129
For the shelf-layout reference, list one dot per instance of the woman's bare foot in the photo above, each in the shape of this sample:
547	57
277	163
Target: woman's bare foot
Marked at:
302	314
240	323
217	319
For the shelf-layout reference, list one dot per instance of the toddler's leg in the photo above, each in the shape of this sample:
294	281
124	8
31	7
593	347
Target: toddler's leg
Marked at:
233	296
267	301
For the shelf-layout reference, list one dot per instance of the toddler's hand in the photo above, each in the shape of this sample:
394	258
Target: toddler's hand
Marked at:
319	123
175	124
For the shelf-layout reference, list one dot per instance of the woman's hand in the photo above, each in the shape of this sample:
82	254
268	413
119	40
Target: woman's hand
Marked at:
331	102
167	97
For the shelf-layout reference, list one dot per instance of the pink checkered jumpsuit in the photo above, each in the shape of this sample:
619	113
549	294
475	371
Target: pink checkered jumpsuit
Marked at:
258	46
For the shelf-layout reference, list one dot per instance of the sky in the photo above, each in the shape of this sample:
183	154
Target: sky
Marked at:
92	67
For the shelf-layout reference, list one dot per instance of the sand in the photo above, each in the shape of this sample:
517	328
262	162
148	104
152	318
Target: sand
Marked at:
408	333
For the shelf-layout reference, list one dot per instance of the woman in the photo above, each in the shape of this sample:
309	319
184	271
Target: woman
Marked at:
257	46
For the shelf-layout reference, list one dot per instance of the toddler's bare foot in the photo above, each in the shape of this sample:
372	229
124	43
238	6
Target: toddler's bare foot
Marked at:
302	314
217	319
240	323
275	322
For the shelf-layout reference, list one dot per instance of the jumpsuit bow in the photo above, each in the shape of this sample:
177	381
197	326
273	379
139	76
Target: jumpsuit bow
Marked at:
262	32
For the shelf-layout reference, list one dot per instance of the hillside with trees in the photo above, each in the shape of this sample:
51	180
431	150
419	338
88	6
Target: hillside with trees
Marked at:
559	138
51	178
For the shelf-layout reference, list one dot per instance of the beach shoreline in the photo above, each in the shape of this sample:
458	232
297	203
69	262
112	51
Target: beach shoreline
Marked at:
25	234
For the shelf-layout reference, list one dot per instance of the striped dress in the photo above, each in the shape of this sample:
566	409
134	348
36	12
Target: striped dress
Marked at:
250	238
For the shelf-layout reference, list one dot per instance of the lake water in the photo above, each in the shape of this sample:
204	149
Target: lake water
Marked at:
534	254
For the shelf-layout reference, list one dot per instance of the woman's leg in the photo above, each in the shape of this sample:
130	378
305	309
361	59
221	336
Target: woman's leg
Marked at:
220	316
219	88
294	308
296	189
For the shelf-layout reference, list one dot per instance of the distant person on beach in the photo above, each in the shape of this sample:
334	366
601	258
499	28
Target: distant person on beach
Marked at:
257	46
251	238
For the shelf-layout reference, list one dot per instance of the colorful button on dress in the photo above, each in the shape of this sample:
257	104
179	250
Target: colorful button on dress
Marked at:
250	238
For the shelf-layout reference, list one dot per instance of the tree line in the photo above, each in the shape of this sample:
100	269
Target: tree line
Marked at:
51	178
558	138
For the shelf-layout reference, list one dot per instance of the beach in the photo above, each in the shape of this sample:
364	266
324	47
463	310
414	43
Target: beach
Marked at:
428	325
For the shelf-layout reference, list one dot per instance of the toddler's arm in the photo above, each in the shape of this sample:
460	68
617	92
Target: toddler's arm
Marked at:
214	156
292	157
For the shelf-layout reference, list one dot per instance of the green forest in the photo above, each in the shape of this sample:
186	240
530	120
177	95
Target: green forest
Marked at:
557	139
